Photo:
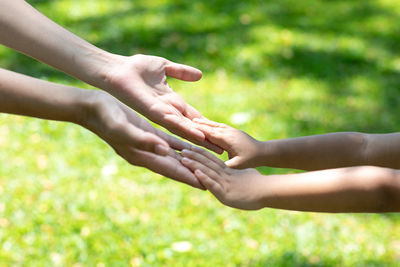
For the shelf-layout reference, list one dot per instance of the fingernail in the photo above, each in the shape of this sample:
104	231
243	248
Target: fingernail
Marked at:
186	160
161	150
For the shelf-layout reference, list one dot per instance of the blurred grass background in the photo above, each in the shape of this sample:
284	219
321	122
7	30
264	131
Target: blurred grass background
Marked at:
274	69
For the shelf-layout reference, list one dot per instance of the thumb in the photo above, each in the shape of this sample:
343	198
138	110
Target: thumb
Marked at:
234	163
182	72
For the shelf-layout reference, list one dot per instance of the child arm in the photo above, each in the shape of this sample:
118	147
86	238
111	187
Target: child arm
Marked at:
333	150
354	189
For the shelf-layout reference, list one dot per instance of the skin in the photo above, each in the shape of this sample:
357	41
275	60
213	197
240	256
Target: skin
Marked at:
131	136
334	150
139	81
352	189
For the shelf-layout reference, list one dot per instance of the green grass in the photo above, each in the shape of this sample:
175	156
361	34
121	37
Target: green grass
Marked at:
287	68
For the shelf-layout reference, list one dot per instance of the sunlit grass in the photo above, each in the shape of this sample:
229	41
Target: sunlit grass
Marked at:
274	69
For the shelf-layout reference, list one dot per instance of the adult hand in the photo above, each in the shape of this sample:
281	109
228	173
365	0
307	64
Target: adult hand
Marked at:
135	139
138	81
141	82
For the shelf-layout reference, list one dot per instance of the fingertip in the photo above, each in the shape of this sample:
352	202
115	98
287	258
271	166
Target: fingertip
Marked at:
213	147
199	135
199	173
192	113
185	152
153	143
199	74
161	150
183	72
218	150
185	161
233	163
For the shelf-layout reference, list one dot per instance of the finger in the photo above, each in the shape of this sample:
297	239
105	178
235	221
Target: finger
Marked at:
203	160
196	165
208	122
173	142
144	140
207	144
179	144
167	166
186	130
208	155
182	72
172	153
184	127
208	183
191	112
212	135
181	106
235	163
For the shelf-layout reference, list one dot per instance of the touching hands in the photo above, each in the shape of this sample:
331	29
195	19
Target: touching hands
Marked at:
140	81
243	150
135	139
234	188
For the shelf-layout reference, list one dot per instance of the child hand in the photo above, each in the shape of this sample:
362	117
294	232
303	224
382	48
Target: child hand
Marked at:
242	149
234	188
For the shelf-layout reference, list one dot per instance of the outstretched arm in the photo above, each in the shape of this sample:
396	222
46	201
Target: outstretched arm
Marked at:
138	81
334	150
132	137
354	189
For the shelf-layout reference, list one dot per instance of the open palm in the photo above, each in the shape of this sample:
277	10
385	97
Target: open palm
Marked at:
141	82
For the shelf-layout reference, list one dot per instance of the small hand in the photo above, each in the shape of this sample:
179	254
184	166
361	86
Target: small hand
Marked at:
135	139
234	188
141	82
242	148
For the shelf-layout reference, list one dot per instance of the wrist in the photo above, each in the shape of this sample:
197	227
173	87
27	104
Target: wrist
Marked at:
267	153
100	66
86	108
260	190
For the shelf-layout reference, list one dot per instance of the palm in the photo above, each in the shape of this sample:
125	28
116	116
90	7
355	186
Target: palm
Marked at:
141	83
134	139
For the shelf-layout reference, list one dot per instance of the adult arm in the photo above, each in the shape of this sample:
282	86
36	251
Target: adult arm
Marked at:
138	81
132	137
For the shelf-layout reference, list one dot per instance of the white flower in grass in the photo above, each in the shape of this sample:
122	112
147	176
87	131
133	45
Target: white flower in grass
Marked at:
181	246
240	118
109	170
56	258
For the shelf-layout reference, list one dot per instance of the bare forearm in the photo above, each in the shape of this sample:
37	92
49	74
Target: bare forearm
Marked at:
25	29
23	95
333	150
355	189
